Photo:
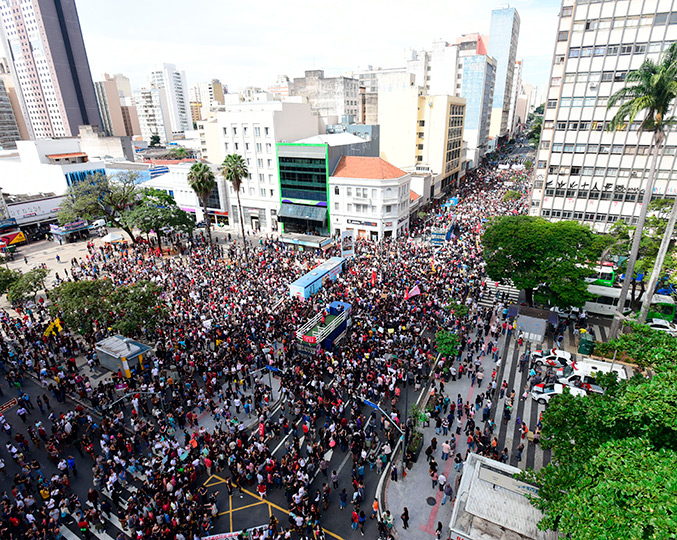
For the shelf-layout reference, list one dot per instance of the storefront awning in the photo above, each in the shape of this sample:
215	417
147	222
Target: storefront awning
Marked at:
301	211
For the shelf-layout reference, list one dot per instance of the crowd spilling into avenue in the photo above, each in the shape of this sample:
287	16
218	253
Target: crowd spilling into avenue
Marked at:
225	322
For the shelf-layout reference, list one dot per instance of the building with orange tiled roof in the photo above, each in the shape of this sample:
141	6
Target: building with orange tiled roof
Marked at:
369	196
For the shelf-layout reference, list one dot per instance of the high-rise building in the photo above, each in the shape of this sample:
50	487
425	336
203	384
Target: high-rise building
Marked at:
205	95
503	36
118	113
328	96
281	87
12	94
9	130
514	120
50	66
151	106
584	172
173	84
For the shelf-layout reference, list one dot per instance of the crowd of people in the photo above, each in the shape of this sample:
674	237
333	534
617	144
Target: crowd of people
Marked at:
225	322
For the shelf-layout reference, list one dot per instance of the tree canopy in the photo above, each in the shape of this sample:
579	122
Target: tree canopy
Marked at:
87	305
27	285
202	181
533	253
614	457
154	210
447	343
101	195
7	279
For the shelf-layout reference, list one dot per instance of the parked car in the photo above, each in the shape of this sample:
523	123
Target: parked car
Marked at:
543	392
555	358
663	326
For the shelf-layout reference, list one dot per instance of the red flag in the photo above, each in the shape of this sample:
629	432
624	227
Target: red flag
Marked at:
373	278
413	292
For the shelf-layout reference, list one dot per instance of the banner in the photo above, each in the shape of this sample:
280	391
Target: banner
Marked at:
348	244
224	536
413	292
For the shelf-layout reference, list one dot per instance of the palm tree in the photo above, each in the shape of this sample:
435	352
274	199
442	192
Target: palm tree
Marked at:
202	182
234	170
651	90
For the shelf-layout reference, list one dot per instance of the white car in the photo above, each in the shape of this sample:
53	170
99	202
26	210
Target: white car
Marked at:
555	358
663	326
543	392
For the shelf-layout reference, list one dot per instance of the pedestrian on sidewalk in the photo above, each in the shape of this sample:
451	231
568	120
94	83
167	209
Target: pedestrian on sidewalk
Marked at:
405	518
448	492
520	449
433	477
393	473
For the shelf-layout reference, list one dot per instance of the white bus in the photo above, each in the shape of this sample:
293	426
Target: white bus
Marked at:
605	302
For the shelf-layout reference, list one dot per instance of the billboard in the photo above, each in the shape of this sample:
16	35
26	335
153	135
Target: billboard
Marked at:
348	244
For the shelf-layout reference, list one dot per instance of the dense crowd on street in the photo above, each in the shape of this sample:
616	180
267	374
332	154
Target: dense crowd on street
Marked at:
226	321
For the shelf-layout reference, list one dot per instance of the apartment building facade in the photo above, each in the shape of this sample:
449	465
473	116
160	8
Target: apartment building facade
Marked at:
583	171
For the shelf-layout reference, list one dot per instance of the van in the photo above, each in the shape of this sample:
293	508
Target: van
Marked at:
589	368
98	224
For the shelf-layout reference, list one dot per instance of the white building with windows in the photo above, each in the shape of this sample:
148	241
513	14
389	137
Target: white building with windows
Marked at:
151	106
252	129
584	172
370	196
172	82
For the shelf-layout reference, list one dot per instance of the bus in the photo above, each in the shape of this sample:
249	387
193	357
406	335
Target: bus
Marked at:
604	276
605	302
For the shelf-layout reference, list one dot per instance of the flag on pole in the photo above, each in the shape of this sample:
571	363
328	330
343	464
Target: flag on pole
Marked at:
373	278
413	292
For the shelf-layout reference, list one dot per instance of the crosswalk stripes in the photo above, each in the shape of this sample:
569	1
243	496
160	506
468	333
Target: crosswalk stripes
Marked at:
489	297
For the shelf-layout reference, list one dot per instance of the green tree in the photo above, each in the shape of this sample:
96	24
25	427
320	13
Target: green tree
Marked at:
154	141
7	279
614	456
534	134
136	308
81	304
101	195
234	170
178	152
459	310
645	346
534	253
202	182
27	285
447	343
650	91
540	109
154	211
528	164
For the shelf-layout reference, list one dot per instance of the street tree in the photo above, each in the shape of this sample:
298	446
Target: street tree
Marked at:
156	211
532	253
136	308
202	182
650	91
612	457
644	346
234	170
447	343
27	285
154	141
82	305
7	279
101	195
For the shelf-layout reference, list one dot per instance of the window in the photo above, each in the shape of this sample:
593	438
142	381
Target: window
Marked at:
244	130
336	206
561	125
557	147
626	49
586	51
269	147
234	131
388	208
552	103
257	131
266	131
607	76
580	148
263	192
575	171
336	190
258	146
349	192
350	207
567	11
541	164
599	51
246	146
586	171
225	131
563	36
660	19
261	178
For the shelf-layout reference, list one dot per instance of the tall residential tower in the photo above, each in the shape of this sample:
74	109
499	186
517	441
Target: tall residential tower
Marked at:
50	66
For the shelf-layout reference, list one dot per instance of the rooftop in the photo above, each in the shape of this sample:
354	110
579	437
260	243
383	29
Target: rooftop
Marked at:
69	155
413	195
333	139
367	167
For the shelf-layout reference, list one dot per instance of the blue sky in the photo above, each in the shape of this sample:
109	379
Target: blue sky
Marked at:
250	43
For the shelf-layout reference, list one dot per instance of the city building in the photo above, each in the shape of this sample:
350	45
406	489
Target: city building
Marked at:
172	83
10	88
514	119
50	66
368	78
151	107
304	170
584	172
369	196
9	130
98	145
46	166
503	37
205	95
328	96
281	87
252	129
421	132
118	113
